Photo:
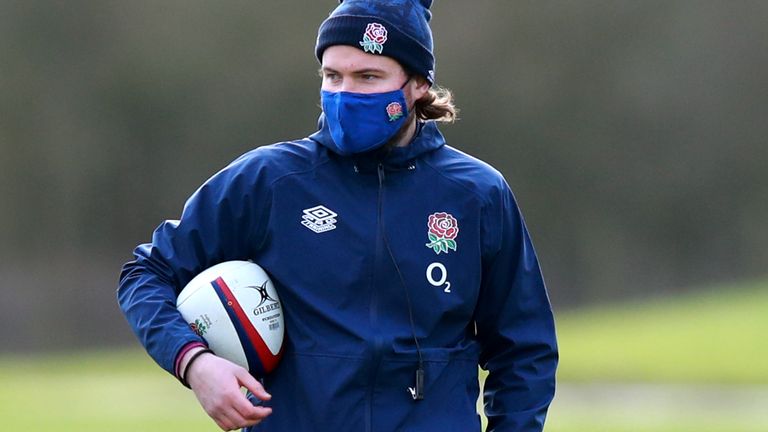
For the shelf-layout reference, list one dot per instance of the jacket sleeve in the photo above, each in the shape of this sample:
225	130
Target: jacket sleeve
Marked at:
223	220
515	325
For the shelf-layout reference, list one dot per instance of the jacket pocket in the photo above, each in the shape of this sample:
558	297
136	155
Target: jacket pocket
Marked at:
316	392
451	390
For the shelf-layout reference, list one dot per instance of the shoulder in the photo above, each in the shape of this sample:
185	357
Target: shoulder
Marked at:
274	161
469	172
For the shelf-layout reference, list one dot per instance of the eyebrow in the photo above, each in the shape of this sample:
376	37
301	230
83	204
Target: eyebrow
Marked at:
356	72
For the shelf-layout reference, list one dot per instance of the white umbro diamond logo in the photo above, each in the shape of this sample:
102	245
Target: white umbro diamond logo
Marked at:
319	219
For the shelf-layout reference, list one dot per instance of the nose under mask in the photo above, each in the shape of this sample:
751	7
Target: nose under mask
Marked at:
360	122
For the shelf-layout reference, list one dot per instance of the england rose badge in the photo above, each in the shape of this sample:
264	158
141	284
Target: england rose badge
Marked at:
374	38
394	111
443	229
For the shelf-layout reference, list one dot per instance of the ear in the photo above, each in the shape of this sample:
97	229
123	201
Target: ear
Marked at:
419	87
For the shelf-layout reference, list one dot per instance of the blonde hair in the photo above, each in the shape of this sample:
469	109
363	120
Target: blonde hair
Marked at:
437	104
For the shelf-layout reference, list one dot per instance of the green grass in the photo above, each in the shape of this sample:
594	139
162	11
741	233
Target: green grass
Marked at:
94	391
718	337
712	338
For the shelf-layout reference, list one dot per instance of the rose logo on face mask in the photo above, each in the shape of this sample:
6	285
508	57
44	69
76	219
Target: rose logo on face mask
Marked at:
374	38
443	229
394	111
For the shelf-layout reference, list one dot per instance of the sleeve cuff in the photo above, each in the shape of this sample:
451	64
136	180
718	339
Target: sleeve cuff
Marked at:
182	352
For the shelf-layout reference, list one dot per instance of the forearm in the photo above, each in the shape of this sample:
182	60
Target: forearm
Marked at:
519	389
148	301
516	327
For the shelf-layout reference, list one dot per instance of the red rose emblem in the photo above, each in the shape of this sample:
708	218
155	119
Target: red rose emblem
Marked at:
376	33
443	230
394	108
443	225
394	111
374	37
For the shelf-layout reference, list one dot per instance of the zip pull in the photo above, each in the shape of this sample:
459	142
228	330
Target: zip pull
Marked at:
417	392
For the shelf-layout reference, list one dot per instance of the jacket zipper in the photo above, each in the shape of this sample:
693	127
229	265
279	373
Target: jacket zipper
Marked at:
374	310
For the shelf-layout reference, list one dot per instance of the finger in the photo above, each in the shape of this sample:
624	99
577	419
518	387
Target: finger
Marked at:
253	385
248	411
252	414
223	412
236	420
232	420
224	423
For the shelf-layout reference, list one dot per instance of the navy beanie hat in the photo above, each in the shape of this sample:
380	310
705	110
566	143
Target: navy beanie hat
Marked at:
394	28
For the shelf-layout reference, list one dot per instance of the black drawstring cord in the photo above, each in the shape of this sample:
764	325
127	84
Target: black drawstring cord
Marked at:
417	392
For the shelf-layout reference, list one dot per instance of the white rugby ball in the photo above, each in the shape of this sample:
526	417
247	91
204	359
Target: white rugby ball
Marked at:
234	306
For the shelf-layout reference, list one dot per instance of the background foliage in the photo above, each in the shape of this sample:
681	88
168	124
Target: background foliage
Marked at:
633	134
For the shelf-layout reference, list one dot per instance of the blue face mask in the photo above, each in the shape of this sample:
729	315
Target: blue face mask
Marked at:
360	122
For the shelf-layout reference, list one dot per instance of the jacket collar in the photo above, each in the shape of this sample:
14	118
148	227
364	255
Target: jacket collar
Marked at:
426	139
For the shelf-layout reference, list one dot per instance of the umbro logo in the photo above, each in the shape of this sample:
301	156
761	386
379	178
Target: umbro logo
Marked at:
319	219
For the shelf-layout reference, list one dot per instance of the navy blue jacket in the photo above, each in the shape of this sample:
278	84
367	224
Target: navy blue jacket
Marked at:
348	244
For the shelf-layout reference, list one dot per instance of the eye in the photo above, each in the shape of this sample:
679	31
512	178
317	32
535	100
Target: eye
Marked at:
368	77
330	76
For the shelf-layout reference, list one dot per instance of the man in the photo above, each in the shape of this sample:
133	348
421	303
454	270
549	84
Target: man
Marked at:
401	262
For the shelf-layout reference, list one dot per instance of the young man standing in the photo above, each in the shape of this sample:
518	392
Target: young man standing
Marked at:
401	262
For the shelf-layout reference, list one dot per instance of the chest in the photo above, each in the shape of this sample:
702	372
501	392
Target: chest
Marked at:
354	243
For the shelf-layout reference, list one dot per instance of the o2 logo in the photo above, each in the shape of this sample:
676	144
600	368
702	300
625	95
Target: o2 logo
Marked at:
439	270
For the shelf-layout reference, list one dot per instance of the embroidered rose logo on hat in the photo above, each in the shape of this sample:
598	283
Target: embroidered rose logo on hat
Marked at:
394	111
374	38
443	230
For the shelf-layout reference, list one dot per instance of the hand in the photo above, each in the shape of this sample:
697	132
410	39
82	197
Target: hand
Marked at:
217	382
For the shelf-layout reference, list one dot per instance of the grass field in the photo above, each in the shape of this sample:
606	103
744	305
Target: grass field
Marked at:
705	341
715	337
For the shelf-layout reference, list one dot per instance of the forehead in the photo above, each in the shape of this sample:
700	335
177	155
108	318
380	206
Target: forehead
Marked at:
343	58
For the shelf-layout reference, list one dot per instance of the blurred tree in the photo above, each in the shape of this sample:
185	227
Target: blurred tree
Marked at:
632	132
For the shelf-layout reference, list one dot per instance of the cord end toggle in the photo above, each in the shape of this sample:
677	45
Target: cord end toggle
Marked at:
417	392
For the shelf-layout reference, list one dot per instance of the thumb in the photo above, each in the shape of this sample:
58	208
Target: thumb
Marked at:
252	384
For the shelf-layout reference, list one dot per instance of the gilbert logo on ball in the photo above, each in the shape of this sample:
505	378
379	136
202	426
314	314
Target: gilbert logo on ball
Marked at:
234	306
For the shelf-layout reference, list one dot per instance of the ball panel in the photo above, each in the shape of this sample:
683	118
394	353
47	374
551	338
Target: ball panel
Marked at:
250	341
266	314
239	308
208	318
204	278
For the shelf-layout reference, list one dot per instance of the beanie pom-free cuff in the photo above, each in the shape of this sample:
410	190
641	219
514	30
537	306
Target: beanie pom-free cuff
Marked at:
353	30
